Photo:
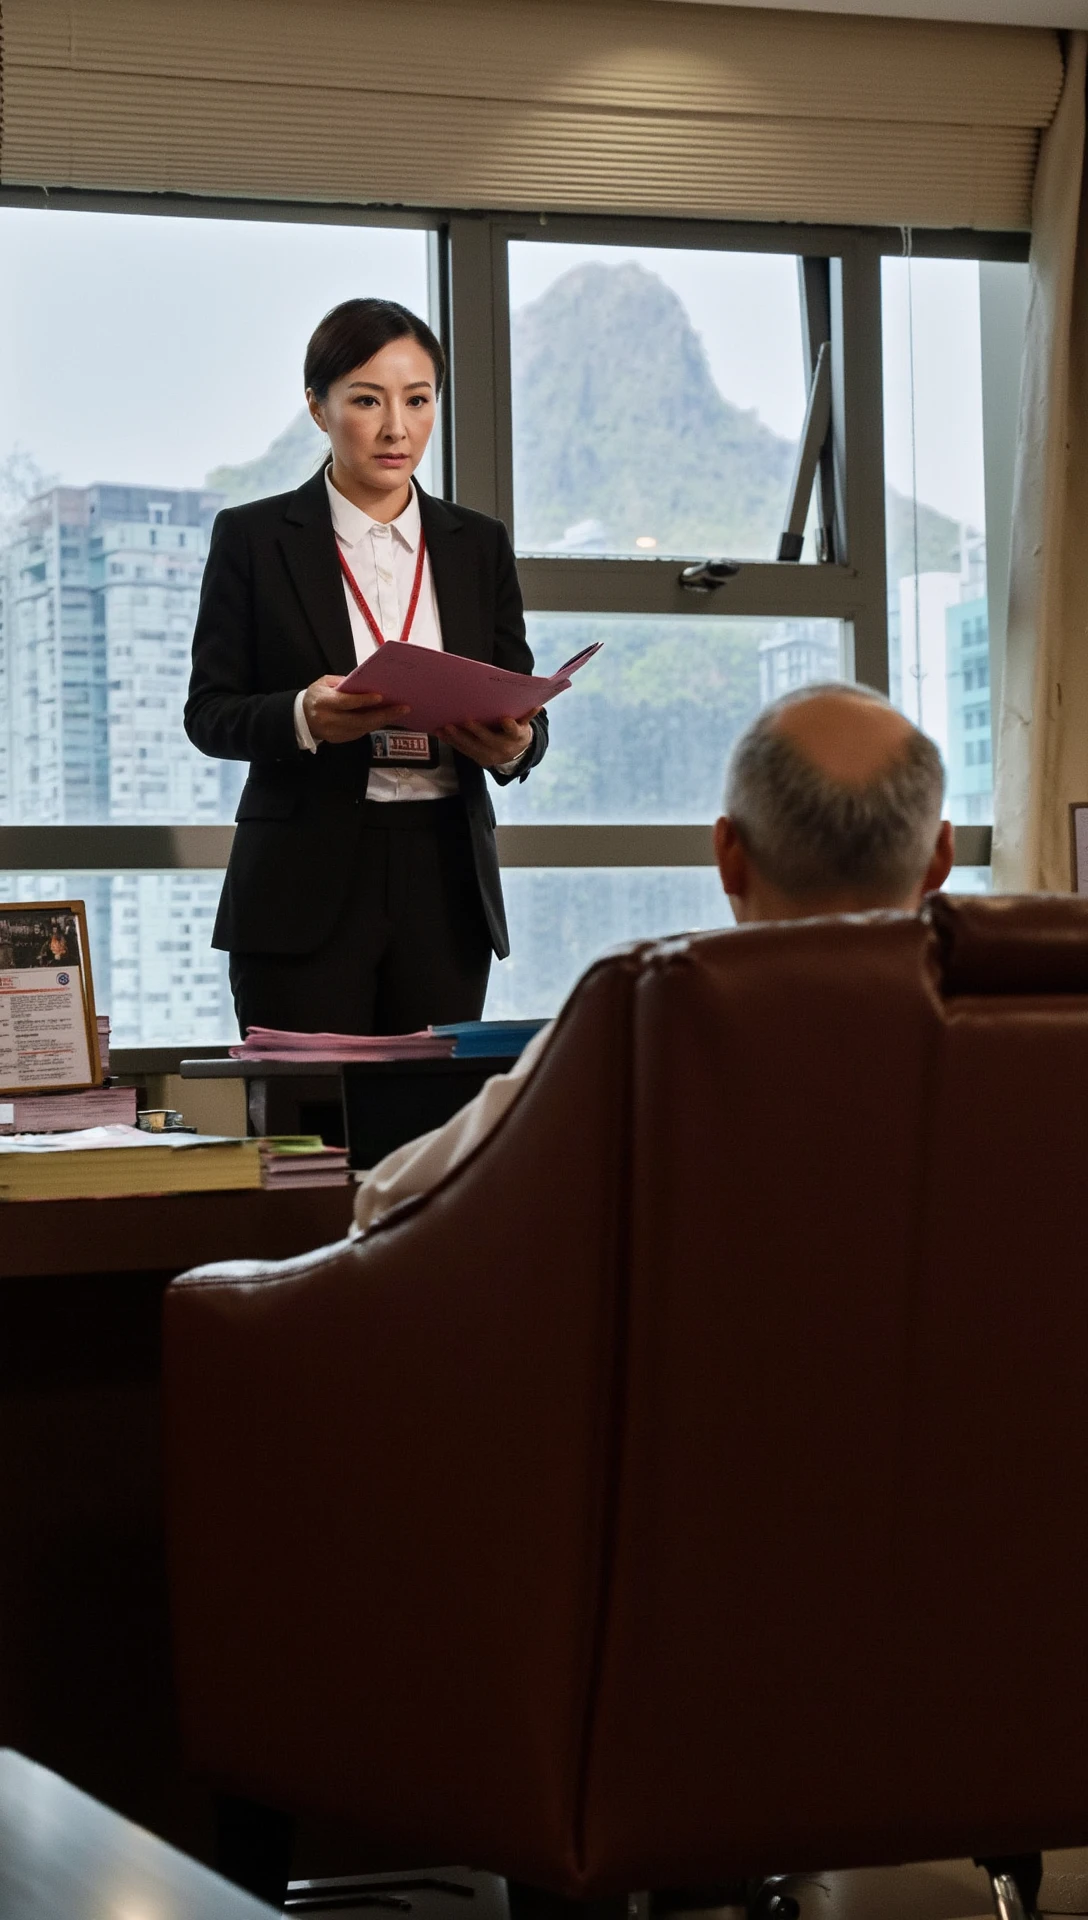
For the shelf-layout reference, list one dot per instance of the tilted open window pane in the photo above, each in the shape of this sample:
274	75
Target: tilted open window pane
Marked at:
645	732
150	373
658	398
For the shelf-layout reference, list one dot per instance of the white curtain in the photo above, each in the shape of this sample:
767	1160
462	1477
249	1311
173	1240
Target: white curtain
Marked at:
1042	754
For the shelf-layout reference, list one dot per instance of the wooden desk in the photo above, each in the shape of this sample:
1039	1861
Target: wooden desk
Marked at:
64	1857
85	1674
167	1233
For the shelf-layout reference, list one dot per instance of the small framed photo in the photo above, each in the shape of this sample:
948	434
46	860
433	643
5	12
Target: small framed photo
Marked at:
48	1030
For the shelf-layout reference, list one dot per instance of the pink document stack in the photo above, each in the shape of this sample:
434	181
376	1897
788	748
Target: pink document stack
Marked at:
270	1043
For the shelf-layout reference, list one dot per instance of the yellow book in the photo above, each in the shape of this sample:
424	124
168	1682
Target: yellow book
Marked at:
111	1162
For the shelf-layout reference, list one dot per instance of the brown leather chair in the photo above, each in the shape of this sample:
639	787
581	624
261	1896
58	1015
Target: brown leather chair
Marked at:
692	1485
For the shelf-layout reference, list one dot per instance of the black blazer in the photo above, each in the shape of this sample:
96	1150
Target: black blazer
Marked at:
272	619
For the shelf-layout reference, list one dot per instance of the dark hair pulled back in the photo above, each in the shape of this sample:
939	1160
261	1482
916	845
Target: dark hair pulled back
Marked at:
354	332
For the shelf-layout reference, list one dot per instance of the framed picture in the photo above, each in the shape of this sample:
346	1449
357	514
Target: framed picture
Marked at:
48	1031
1078	846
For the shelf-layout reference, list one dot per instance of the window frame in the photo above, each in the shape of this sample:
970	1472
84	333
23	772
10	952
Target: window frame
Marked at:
467	267
853	590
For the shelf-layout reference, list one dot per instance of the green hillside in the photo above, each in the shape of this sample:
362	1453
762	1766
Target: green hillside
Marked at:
293	456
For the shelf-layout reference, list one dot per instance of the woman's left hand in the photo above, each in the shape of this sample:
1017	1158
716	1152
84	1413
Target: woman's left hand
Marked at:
491	746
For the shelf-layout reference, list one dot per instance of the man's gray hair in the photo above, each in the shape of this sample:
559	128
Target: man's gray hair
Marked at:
810	834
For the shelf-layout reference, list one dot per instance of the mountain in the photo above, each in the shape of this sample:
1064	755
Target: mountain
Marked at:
617	420
293	456
619	430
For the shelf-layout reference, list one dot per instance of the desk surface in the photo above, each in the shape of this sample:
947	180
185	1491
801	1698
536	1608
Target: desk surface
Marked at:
167	1233
259	1069
254	1069
65	1857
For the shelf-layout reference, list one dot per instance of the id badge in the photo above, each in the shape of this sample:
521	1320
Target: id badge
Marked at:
389	749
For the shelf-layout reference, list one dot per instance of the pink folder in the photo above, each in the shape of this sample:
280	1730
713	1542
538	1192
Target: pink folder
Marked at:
445	689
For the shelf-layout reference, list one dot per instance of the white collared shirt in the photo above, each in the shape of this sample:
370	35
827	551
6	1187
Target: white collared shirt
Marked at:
383	560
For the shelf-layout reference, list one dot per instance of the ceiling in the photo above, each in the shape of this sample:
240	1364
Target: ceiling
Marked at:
1017	13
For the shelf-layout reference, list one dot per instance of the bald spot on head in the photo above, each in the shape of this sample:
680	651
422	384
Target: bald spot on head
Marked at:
852	741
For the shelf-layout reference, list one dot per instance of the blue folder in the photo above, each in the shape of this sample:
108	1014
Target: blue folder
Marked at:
490	1039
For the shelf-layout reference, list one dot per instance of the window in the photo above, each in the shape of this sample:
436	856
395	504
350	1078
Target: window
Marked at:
649	740
631	397
562	918
649	407
180	392
657	397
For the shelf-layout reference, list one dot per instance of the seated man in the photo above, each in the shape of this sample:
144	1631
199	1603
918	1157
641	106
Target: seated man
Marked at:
833	805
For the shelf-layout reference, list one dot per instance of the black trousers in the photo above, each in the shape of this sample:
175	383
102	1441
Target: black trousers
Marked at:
411	948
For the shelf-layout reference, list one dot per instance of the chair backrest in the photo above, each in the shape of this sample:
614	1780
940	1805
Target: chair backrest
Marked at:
693	1483
849	1556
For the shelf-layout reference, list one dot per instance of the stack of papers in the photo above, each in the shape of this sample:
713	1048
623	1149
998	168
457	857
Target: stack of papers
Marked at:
62	1112
490	1039
270	1043
108	1162
290	1161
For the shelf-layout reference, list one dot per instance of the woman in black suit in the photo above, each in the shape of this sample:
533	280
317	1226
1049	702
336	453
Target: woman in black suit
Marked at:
362	893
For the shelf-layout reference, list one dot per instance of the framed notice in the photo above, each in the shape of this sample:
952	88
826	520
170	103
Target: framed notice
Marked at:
1078	846
48	1032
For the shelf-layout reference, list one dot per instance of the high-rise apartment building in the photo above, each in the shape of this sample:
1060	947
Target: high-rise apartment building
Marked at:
795	654
970	725
98	595
53	748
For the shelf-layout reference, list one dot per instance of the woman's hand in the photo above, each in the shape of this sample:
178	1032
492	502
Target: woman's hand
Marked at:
491	746
338	717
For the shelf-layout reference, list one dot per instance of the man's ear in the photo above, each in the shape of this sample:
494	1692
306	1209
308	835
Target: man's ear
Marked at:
731	857
940	866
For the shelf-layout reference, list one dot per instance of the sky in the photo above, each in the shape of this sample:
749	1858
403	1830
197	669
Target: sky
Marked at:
149	349
947	407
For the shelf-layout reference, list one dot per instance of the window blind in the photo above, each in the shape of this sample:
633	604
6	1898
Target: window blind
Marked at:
616	106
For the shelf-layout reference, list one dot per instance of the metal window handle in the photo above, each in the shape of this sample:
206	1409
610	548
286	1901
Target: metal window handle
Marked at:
706	576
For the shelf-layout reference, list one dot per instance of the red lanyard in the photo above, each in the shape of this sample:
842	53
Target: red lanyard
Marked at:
357	593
